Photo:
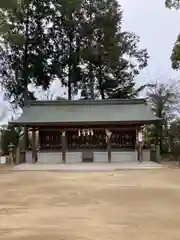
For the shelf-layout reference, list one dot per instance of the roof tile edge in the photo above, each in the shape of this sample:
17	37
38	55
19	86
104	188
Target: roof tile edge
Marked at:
88	102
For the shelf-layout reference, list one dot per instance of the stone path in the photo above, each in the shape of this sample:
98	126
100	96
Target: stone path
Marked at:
89	167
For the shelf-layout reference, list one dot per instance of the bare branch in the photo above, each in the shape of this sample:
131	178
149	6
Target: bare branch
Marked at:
164	99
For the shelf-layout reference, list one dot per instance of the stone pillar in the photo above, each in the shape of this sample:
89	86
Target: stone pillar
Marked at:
11	157
158	154
34	153
64	143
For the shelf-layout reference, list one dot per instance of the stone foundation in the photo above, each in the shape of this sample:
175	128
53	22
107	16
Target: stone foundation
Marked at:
76	157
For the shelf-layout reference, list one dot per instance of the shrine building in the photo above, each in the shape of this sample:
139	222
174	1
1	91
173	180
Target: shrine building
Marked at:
74	131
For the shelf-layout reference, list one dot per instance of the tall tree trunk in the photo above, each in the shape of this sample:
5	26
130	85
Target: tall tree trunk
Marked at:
70	70
161	138
159	135
69	80
70	62
91	81
25	76
100	79
91	78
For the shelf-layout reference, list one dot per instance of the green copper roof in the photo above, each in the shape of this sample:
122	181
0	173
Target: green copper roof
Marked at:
85	111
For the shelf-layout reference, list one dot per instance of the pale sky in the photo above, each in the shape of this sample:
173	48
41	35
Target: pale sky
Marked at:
157	28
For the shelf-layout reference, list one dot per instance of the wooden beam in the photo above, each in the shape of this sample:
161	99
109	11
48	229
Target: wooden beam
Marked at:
116	128
83	124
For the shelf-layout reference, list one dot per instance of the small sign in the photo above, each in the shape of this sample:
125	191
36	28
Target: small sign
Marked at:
108	133
63	133
140	137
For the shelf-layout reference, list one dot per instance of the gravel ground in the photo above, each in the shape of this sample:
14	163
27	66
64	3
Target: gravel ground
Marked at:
128	204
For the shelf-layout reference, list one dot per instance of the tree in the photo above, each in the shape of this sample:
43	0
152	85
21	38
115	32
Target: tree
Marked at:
67	29
79	42
10	135
172	4
43	42
175	57
111	56
164	100
174	139
26	50
91	49
8	5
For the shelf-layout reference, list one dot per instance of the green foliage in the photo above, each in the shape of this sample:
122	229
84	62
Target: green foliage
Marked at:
174	139
12	4
164	102
175	57
8	5
173	4
79	42
8	136
68	39
112	56
25	50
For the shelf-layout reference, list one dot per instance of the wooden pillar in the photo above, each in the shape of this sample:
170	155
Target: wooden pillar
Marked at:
37	145
140	152
140	145
109	150
26	138
63	138
108	139
34	153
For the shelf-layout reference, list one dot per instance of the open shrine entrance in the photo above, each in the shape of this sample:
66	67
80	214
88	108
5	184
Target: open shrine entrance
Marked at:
87	138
